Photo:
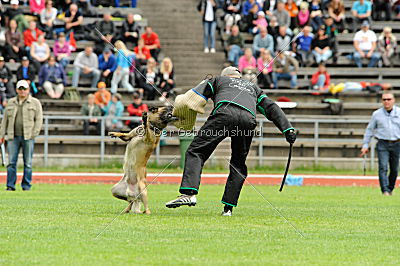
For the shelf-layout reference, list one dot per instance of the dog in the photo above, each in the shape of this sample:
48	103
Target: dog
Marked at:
142	141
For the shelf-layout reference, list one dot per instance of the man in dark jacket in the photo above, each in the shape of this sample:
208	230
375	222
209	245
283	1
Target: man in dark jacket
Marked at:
235	103
130	30
28	73
107	28
6	84
52	78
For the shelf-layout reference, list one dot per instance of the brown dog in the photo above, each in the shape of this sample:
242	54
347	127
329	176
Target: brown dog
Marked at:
142	142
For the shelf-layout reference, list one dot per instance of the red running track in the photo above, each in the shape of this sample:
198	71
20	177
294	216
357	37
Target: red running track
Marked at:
175	178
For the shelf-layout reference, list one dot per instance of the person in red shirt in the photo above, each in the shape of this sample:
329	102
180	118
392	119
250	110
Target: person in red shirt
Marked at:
321	80
142	53
151	42
31	35
136	109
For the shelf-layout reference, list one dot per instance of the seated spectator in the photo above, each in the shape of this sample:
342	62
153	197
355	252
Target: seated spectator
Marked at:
52	78
264	65
167	82
152	42
40	52
102	96
269	7
108	32
336	11
62	50
112	112
282	16
92	110
73	21
365	45
47	18
148	84
15	13
28	73
361	11
302	46
142	53
285	67
273	27
107	65
14	43
387	45
136	109
260	22
6	84
36	6
247	62
31	35
321	46
232	14
379	7
249	13
283	40
303	17
320	80
86	63
235	45
316	14
263	41
293	11
332	32
123	64
130	30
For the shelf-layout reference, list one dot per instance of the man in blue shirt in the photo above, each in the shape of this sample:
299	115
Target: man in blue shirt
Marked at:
385	127
107	65
303	46
361	11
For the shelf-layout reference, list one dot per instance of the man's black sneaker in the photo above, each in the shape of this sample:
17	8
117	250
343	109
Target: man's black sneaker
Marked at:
189	200
10	189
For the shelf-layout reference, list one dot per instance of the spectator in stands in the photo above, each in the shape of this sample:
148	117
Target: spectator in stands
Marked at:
113	112
387	45
380	6
232	14
148	84
273	27
40	52
102	96
14	43
263	41
47	18
31	35
302	46
6	84
285	67
320	80
316	14
15	13
52	78
361	11
235	44
167	81
207	8
107	65
264	65
36	6
303	17
73	21
247	62
142	53
293	11
152	42
86	63
123	63
331	31
336	11
130	30
321	46
62	50
248	5
136	109
282	15
283	40
365	45
26	71
108	32
269	7
259	23
92	110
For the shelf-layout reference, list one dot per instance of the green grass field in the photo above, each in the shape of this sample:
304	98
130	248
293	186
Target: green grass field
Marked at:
58	224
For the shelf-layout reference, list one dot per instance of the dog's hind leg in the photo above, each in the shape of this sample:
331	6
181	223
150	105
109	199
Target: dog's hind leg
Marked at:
144	198
129	207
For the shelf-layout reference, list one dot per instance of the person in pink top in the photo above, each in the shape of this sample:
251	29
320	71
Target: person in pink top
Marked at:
36	6
260	22
264	65
62	50
247	61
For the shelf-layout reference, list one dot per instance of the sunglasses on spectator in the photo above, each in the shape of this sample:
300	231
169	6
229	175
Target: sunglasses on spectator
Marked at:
22	88
387	99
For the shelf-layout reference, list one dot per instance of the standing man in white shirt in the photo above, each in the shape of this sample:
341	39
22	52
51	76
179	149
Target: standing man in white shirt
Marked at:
365	45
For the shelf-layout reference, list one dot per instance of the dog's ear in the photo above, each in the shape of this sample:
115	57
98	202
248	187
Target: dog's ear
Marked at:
153	109
144	117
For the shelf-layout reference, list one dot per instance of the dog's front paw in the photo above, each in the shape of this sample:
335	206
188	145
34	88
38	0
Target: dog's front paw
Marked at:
115	134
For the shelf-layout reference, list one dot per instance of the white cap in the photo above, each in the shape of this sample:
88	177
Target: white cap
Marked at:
14	2
22	83
261	13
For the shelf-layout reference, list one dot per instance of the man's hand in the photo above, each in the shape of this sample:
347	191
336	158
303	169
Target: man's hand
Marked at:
290	136
369	55
363	151
106	73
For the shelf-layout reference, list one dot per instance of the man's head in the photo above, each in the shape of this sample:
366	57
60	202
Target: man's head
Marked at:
136	98
52	60
388	101
306	30
365	25
149	30
107	51
14	4
90	98
328	21
22	89
235	30
263	31
231	72
25	61
88	50
280	6
32	25
322	68
73	8
282	30
107	17
130	18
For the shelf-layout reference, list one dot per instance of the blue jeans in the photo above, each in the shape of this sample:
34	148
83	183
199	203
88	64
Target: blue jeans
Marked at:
95	75
27	152
234	54
286	76
322	57
209	33
64	62
374	59
321	81
388	153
